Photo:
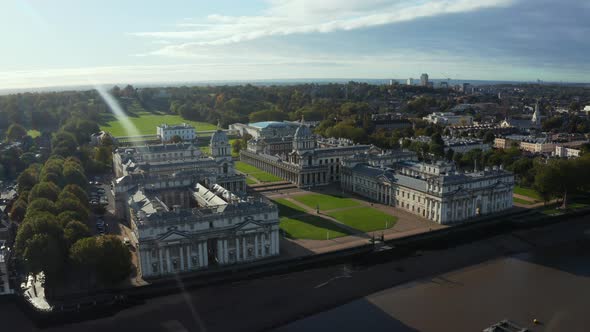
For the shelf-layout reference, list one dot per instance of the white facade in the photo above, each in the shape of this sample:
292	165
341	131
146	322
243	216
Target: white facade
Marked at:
185	131
434	192
565	152
173	237
448	119
4	285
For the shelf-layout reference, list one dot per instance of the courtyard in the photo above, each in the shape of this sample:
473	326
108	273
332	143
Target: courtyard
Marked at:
327	219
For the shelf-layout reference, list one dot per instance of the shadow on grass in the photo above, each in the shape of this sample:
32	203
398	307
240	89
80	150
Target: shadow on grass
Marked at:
308	219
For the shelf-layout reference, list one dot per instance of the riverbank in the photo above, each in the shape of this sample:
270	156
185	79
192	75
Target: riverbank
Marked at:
276	300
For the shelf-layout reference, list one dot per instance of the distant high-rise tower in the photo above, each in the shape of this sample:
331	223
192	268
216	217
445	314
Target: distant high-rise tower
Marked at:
536	116
424	79
410	81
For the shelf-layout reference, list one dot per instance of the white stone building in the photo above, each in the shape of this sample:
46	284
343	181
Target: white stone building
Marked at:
185	131
433	191
182	228
4	284
448	119
307	164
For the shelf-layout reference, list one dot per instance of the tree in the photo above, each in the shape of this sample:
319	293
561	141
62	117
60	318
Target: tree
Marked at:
18	210
489	137
41	205
64	144
114	263
74	176
44	190
76	191
39	242
15	132
75	231
28	178
107	256
69	204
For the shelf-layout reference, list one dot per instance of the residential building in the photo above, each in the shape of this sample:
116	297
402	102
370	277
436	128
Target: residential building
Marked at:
410	81
565	152
459	144
266	129
390	121
525	124
185	131
532	144
424	79
449	119
436	192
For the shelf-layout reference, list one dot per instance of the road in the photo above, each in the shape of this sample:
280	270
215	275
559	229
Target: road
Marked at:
272	302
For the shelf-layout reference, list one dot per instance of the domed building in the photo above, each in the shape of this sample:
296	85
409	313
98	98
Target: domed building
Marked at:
310	162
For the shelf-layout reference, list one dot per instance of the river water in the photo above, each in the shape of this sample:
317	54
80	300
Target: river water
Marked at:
551	285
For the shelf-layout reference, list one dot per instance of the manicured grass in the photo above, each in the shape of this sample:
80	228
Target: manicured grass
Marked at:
288	208
522	201
256	173
33	133
205	150
146	123
311	227
552	209
528	192
246	168
233	153
249	180
325	202
364	219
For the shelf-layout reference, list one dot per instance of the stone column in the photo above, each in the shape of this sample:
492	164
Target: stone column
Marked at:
225	258
181	249
168	262
205	255
161	261
262	246
237	249
245	253
148	263
190	257
220	251
256	246
200	254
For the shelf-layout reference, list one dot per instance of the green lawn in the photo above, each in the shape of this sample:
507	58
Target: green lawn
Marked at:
552	209
311	227
364	219
326	202
33	133
528	192
256	173
146	123
250	181
522	201
288	208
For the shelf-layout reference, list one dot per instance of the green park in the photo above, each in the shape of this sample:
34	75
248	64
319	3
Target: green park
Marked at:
298	223
146	123
255	175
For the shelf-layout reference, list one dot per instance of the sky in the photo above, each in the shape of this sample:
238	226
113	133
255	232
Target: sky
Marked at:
73	42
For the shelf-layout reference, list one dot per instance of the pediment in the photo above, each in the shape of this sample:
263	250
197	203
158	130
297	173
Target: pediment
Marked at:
172	236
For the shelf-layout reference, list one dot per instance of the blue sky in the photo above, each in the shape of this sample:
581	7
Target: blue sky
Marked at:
72	42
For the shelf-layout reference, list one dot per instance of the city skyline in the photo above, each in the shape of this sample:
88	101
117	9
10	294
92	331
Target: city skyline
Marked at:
63	42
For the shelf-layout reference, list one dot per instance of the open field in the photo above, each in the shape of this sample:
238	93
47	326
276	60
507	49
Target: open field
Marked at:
33	133
146	123
528	192
256	173
364	219
326	202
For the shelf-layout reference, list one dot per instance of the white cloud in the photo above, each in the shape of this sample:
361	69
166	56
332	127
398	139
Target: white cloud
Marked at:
286	17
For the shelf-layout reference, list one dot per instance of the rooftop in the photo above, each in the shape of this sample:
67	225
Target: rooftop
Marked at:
275	124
